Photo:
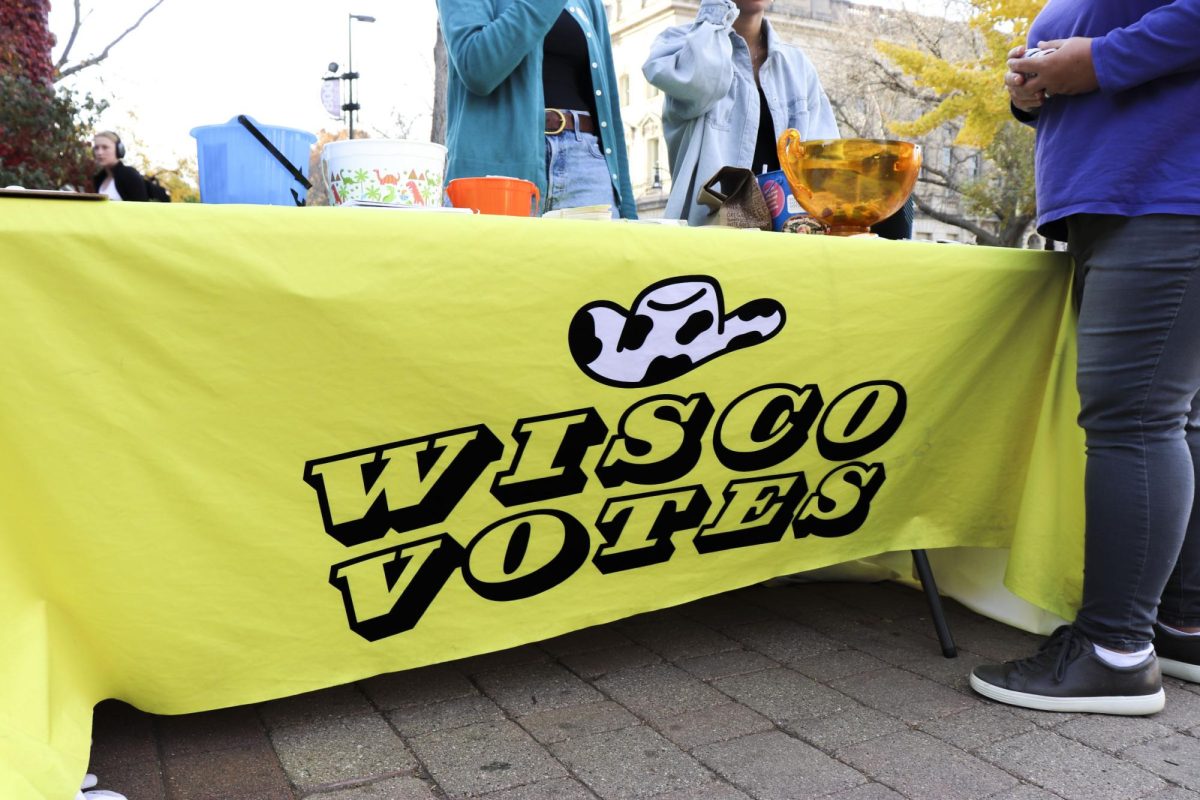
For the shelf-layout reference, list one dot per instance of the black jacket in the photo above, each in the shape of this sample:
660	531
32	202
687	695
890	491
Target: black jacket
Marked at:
128	180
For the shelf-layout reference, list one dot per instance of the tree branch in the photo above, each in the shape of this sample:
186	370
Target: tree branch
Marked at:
982	235
62	58
941	184
929	173
93	60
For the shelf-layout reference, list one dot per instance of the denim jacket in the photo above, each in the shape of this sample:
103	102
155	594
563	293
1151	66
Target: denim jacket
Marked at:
494	102
710	112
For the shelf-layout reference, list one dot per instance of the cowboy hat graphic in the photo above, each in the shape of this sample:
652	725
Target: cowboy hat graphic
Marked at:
675	326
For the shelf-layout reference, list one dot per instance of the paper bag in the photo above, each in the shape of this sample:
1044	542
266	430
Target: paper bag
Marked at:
735	200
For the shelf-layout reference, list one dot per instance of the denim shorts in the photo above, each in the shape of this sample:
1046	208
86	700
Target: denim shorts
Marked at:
577	173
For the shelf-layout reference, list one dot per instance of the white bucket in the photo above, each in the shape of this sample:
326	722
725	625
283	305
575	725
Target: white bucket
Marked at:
385	171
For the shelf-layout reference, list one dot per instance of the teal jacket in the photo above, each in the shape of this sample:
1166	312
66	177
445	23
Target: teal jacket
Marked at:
494	103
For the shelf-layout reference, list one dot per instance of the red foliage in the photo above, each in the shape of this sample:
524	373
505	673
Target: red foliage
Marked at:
43	129
25	39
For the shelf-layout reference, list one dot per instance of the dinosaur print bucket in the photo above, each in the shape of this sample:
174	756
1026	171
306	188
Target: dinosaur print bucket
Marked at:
385	171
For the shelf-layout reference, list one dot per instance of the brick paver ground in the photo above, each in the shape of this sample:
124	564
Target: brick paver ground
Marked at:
834	691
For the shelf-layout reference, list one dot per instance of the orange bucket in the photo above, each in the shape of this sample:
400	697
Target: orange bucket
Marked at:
511	197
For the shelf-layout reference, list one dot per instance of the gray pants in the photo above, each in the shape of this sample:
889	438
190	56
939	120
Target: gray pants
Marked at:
1139	374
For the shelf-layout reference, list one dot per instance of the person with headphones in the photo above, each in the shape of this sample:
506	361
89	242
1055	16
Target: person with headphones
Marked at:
115	179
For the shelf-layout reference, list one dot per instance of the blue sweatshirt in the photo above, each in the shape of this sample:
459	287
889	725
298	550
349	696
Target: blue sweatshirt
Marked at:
1132	147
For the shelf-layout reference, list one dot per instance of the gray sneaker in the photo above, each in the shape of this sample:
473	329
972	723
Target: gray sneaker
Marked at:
1066	675
1179	656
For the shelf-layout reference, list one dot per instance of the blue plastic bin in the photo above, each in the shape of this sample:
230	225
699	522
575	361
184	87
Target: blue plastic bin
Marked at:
234	167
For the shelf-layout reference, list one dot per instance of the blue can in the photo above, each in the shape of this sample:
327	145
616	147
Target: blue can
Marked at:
779	198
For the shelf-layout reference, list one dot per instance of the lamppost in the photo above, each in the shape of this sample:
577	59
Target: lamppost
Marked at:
350	107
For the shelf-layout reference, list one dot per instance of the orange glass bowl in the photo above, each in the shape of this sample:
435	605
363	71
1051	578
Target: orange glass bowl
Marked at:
849	184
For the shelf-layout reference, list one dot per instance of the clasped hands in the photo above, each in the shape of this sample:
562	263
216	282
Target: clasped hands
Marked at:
1068	70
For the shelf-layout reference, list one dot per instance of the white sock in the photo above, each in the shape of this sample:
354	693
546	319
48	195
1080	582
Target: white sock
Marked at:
1118	659
1178	632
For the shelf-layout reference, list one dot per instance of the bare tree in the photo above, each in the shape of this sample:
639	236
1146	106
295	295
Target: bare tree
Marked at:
401	127
441	66
61	68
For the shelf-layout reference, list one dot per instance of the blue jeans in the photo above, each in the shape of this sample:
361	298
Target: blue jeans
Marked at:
576	173
1139	375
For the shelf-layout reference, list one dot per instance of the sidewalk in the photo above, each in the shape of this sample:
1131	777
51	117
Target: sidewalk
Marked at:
834	691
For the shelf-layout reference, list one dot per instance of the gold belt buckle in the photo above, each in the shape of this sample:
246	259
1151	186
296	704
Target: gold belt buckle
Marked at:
562	125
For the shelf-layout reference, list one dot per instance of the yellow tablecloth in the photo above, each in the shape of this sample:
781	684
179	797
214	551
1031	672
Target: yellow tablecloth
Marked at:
249	452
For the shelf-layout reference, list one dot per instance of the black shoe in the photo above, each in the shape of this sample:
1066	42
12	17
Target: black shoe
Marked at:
1066	675
1179	656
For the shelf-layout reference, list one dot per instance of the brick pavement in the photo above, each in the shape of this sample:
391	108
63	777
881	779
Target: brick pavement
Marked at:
834	691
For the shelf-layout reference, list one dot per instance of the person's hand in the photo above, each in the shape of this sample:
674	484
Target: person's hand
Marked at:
722	13
1022	96
1067	70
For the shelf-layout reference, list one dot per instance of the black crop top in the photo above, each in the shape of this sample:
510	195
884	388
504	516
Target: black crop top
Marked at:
765	151
566	71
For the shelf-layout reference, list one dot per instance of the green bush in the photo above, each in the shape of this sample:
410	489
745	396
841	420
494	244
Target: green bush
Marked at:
44	134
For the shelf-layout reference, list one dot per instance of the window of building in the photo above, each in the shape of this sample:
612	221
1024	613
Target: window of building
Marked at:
651	158
623	89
